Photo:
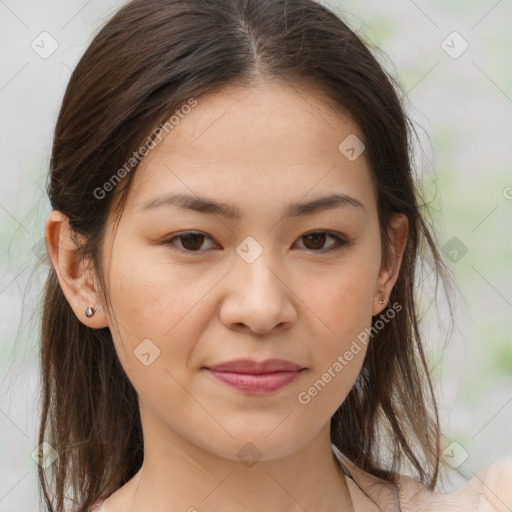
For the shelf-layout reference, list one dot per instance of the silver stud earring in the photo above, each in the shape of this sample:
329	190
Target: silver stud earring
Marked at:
381	301
89	312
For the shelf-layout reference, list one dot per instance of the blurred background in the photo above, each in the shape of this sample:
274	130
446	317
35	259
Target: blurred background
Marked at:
453	60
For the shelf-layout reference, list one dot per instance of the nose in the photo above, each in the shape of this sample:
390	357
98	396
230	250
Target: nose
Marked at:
258	299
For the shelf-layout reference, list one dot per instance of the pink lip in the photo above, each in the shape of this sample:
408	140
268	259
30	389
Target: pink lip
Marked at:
255	367
254	377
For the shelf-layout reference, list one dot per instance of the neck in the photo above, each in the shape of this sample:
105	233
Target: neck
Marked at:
180	476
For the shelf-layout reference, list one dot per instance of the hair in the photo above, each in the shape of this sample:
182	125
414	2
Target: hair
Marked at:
146	62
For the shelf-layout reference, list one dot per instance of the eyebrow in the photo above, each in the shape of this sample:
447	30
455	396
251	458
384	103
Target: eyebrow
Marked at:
209	206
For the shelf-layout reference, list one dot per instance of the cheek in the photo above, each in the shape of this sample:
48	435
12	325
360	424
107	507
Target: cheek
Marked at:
149	294
341	315
160	304
343	304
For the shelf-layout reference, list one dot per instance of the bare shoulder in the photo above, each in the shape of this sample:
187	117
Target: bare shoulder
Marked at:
488	490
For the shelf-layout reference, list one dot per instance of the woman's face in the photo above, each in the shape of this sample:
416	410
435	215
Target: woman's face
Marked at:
261	285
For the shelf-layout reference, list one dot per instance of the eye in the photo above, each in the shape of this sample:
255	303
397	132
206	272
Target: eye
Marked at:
316	239
192	241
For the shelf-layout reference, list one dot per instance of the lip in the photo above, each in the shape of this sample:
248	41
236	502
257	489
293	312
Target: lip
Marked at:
256	378
254	367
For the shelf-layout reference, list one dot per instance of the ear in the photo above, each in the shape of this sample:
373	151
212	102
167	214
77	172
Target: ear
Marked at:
76	278
398	230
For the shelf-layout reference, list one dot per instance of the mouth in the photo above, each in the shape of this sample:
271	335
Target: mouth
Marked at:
256	378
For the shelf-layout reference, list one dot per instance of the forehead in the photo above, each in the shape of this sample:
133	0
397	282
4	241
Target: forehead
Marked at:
270	142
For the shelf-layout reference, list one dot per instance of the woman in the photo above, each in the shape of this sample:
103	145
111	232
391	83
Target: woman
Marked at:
230	320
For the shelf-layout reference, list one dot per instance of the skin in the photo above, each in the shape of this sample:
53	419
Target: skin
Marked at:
293	302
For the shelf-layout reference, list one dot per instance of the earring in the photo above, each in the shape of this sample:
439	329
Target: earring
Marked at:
89	312
381	301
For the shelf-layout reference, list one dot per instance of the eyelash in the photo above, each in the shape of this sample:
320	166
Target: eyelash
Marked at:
340	242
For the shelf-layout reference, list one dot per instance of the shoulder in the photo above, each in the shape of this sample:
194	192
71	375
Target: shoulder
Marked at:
488	490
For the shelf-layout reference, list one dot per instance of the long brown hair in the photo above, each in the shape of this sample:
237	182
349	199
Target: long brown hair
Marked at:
143	65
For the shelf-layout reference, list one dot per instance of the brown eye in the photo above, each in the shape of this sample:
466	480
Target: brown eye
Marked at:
190	242
315	241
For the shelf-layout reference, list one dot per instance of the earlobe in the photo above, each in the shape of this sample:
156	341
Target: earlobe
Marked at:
73	273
